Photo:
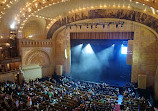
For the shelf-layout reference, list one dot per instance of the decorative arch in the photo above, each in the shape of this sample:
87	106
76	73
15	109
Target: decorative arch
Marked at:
131	15
38	57
37	5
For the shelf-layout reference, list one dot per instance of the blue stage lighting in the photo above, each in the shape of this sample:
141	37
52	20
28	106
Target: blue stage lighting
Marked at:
123	49
81	45
89	49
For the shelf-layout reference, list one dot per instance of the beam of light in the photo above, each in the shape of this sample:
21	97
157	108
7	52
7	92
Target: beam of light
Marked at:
77	49
106	54
88	59
88	49
76	52
123	49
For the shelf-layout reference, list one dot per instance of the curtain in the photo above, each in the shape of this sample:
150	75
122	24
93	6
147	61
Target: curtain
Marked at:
102	35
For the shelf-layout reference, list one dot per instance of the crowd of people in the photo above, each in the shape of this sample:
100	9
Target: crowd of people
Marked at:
65	94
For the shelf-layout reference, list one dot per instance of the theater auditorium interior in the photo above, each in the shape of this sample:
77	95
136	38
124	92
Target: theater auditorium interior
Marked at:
78	55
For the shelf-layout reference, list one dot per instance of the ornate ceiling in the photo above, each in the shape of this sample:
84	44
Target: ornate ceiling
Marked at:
151	3
17	12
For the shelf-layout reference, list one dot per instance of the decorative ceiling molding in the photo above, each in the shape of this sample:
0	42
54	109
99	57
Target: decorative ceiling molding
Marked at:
37	5
4	5
131	15
151	3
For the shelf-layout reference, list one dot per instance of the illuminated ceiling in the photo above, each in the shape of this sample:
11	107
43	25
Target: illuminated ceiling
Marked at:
19	11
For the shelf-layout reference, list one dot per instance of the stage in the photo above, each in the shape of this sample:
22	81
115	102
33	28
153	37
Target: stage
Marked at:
100	60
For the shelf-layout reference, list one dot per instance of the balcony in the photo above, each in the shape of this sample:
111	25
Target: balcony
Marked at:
10	60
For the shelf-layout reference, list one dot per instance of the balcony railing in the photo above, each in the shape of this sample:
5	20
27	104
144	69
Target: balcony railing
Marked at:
10	60
11	71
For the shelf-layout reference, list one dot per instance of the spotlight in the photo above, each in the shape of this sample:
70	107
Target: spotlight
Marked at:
87	25
123	49
89	49
81	45
91	26
12	26
80	26
113	45
116	25
103	26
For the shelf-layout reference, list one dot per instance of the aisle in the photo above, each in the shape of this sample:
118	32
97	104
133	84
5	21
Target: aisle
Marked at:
120	97
117	106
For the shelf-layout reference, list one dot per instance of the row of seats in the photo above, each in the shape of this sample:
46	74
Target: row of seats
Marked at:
62	94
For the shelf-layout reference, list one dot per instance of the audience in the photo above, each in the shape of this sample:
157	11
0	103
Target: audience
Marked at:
61	93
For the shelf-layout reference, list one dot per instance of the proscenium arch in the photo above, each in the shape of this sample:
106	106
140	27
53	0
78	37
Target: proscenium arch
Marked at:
143	35
131	15
132	27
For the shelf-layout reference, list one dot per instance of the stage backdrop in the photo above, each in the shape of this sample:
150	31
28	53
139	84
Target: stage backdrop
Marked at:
99	60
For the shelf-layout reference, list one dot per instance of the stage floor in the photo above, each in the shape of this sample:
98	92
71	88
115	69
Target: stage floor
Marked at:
116	83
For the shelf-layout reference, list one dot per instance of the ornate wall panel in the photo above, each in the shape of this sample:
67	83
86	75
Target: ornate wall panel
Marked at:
39	57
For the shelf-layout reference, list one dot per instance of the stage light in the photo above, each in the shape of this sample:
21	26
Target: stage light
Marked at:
116	25
113	45
103	26
12	26
77	49
87	25
80	26
91	26
123	49
89	49
81	44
